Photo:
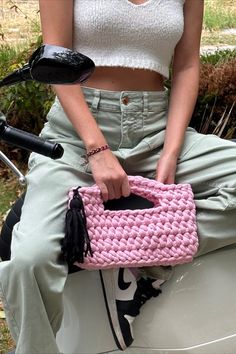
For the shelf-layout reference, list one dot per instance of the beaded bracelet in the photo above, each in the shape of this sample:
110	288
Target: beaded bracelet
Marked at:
93	152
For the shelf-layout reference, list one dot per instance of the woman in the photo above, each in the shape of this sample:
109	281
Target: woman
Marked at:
124	113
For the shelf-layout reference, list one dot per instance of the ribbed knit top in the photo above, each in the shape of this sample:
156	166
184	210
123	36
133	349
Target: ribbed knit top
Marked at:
121	33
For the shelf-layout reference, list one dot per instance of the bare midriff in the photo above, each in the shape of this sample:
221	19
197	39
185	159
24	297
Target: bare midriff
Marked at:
125	79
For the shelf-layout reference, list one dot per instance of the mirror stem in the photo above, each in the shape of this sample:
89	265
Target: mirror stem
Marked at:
22	74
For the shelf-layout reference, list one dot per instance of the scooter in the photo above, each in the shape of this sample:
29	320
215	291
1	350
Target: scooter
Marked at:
196	312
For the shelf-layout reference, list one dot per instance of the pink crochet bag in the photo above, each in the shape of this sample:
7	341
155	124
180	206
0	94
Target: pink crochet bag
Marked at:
164	232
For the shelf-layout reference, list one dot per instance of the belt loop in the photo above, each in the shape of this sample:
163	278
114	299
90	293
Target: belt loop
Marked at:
145	103
122	106
96	100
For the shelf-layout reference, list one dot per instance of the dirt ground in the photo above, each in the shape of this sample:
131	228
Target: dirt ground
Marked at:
19	21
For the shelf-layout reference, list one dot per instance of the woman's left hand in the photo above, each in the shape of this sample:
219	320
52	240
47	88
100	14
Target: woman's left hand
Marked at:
166	168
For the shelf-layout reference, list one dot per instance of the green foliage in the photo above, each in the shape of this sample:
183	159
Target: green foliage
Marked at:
218	57
7	194
7	55
219	14
25	104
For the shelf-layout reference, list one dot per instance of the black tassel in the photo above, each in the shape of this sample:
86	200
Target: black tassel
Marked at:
76	244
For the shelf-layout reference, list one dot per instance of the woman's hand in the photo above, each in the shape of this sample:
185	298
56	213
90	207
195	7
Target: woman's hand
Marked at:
109	175
166	168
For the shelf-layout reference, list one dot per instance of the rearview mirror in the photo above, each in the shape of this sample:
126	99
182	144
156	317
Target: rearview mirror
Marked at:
51	64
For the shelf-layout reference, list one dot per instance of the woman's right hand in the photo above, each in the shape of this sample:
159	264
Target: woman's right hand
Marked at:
109	175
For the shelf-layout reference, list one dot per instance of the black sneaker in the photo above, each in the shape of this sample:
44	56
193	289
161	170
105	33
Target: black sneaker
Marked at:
124	296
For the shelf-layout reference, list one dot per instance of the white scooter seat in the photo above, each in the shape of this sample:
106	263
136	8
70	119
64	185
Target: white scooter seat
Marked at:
195	314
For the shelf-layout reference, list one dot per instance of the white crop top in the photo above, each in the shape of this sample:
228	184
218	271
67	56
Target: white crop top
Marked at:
120	33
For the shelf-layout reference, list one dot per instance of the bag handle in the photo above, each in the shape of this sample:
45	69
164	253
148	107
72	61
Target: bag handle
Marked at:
158	193
149	189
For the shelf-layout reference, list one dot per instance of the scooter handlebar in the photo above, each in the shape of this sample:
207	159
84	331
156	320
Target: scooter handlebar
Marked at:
29	141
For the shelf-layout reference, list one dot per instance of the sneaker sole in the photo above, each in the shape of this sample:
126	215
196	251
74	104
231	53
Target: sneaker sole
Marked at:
119	341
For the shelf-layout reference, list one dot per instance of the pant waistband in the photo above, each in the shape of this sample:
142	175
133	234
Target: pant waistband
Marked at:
125	100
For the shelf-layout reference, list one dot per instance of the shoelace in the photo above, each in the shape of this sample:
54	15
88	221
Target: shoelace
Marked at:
144	292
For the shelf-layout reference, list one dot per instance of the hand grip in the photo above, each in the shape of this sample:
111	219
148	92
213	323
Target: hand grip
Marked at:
29	141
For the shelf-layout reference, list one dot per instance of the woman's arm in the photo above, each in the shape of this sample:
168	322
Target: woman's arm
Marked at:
57	28
184	89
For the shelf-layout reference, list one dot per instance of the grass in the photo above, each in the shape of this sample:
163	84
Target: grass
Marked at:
20	23
19	20
10	186
218	57
217	38
219	14
8	192
7	53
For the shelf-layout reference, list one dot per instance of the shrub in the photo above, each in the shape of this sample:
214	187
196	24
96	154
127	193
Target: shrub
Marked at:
25	104
215	108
